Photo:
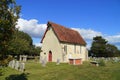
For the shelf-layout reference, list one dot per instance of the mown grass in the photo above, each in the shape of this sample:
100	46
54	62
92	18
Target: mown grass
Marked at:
34	71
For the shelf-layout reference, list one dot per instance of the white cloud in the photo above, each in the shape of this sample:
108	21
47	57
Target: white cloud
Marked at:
36	30
88	34
38	44
114	38
32	27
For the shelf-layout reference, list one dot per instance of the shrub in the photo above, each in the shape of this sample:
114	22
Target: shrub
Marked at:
1	71
101	63
6	61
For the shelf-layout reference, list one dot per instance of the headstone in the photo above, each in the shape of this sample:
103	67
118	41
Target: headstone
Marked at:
13	64
20	59
24	58
22	67
17	65
10	64
58	62
44	62
40	59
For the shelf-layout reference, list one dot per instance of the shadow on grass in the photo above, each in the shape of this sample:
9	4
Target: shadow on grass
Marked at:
17	77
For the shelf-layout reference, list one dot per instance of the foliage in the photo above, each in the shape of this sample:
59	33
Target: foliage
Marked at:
98	46
0	72
101	48
20	43
9	13
101	63
112	50
37	50
23	35
5	62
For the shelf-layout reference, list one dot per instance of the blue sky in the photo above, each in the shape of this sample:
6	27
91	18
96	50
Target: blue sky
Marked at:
97	17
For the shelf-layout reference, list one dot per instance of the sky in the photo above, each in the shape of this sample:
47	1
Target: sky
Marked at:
89	17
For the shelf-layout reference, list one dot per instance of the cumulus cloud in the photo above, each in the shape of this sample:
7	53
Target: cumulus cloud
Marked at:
88	34
32	27
114	38
38	44
36	30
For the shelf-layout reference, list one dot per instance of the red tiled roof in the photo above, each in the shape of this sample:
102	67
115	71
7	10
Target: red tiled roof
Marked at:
65	34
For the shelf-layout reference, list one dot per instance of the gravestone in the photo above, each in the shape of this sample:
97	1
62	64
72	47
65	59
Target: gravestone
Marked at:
58	62
13	64
10	64
22	67
20	59
44	62
40	59
17	65
24	58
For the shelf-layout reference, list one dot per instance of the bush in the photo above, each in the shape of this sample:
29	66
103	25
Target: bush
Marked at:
6	61
10	58
1	72
101	63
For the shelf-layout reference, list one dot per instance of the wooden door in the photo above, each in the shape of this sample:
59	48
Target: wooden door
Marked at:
50	56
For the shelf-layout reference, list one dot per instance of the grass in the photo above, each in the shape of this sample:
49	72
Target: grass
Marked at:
34	71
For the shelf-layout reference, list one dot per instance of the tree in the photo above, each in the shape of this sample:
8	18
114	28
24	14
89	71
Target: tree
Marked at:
9	13
98	46
37	50
34	51
101	48
111	50
20	43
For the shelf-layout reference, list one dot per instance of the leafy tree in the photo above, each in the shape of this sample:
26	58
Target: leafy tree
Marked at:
23	35
112	50
101	48
21	43
37	50
98	46
9	13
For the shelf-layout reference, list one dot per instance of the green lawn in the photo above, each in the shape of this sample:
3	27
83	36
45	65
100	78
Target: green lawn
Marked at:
34	71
